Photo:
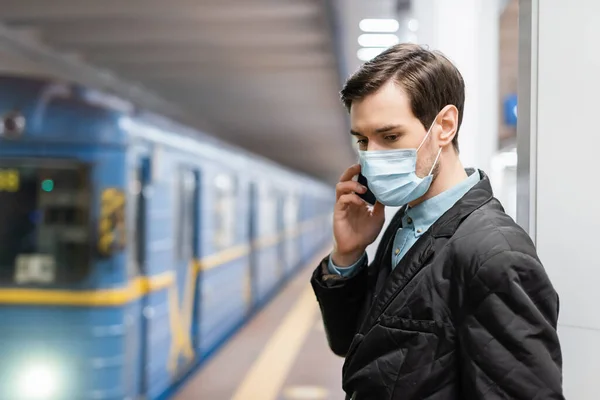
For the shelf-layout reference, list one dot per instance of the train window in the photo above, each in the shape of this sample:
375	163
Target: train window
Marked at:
290	212
267	214
186	214
225	211
45	227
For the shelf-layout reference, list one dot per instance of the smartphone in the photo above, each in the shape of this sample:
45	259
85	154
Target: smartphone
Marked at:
368	196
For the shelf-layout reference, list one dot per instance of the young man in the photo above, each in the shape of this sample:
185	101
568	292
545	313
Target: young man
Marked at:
456	304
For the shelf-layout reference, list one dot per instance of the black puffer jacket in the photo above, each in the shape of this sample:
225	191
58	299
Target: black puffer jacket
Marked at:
469	313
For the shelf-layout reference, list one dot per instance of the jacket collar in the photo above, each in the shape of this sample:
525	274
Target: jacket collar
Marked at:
421	217
479	195
424	248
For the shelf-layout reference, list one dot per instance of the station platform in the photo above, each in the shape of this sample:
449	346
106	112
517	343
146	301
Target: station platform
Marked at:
281	354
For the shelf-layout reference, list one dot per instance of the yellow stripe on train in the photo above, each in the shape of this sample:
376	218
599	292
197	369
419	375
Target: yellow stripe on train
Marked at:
141	285
138	287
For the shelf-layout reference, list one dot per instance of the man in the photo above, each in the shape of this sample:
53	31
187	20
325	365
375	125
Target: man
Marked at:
456	304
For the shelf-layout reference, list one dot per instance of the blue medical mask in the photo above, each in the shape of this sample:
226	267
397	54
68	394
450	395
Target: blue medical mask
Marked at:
391	174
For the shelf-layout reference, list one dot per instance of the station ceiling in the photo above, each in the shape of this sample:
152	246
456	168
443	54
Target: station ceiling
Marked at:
262	74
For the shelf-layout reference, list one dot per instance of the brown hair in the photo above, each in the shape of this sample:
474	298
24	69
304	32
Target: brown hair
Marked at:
430	80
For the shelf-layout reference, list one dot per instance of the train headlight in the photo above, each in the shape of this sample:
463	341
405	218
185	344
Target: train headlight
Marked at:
12	124
38	381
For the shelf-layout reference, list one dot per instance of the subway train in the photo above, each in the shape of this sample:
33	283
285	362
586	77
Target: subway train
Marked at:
132	247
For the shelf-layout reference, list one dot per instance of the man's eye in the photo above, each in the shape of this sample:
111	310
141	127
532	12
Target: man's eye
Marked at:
391	138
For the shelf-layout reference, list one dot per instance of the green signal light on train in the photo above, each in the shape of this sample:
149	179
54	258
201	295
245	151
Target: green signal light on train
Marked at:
47	185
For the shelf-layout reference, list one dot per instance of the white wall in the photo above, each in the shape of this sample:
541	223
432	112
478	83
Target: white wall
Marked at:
563	186
503	175
467	31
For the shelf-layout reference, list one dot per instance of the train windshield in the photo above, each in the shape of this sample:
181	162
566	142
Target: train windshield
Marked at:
45	235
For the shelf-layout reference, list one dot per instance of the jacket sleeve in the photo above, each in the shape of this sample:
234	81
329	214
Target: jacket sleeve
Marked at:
341	300
507	337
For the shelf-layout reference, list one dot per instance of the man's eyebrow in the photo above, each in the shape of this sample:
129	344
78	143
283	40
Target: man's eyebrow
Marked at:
383	129
387	128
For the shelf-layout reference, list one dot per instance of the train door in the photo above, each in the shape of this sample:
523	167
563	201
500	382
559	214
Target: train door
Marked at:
291	237
196	294
139	178
183	295
281	251
252	240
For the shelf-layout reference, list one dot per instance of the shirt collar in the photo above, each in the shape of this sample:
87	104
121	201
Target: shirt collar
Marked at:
422	216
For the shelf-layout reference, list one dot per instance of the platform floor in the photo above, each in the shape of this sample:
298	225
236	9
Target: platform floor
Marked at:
281	354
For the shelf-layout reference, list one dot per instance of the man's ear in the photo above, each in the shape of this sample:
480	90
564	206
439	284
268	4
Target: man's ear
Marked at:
448	120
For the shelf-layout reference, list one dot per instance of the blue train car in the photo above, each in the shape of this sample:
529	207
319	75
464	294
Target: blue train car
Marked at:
132	247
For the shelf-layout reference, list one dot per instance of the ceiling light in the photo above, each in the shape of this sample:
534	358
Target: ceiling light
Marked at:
413	25
368	53
377	40
378	25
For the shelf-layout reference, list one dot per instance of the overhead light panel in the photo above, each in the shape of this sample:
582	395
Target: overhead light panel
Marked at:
413	25
368	53
379	25
380	36
378	40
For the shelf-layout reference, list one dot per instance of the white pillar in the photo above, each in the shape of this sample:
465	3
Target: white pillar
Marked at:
558	188
467	32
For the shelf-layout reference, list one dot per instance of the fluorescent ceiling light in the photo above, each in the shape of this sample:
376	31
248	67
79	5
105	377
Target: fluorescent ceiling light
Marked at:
379	25
413	25
377	40
368	53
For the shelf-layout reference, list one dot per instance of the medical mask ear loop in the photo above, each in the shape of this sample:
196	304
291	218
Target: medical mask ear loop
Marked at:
428	132
421	145
435	162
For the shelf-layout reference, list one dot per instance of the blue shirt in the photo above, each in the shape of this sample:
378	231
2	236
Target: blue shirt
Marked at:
416	221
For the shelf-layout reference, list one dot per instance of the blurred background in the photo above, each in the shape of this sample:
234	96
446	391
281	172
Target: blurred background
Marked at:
167	173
